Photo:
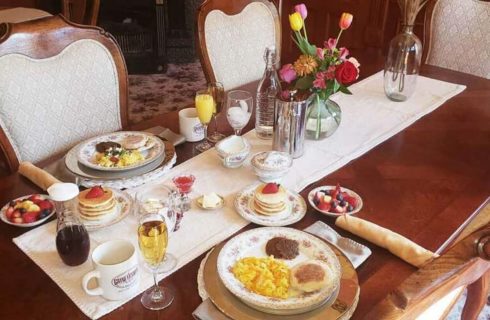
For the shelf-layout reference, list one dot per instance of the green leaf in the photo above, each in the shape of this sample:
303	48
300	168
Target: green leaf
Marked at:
336	86
304	83
344	89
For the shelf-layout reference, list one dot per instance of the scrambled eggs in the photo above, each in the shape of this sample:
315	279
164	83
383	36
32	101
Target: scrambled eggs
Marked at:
265	276
118	158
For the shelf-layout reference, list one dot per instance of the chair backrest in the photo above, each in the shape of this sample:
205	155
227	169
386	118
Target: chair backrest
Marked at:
81	11
463	264
457	36
233	36
60	83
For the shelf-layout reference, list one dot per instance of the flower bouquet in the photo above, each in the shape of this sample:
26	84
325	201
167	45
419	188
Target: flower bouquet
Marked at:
321	71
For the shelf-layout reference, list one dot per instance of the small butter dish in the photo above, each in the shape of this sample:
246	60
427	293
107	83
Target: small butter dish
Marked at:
210	201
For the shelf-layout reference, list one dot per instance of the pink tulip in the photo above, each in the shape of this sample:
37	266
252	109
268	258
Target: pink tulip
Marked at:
345	20
287	73
301	9
331	43
343	53
320	53
319	81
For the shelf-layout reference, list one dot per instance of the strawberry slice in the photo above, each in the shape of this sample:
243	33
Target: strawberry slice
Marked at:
324	206
36	198
9	212
95	192
30	216
45	204
350	200
270	188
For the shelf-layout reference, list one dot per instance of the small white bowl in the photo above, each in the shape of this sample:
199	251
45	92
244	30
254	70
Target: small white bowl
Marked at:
233	151
271	166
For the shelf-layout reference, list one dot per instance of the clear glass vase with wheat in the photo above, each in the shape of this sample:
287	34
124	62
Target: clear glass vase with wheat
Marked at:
404	56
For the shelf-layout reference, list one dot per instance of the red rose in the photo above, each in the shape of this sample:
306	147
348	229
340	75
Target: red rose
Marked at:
346	73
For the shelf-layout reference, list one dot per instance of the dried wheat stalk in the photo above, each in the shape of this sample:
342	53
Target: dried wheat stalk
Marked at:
410	9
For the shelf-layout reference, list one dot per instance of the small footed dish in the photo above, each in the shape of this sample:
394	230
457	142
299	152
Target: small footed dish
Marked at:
233	151
271	166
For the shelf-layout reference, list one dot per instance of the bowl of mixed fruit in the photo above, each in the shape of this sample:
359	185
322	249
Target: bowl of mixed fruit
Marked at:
335	200
28	211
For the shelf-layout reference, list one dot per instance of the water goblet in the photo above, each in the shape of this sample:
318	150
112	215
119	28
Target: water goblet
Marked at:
239	105
218	92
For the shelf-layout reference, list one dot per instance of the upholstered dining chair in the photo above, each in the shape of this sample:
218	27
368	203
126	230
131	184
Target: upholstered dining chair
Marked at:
432	291
81	11
60	83
457	36
233	36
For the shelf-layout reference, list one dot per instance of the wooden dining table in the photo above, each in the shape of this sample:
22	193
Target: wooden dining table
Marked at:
424	183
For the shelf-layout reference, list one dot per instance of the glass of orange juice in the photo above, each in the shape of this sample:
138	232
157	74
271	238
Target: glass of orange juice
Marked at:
205	109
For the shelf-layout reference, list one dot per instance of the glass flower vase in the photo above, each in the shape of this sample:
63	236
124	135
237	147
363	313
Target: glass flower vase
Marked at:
322	118
402	65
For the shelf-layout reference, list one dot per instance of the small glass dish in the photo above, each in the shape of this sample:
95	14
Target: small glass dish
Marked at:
199	202
233	151
271	166
184	183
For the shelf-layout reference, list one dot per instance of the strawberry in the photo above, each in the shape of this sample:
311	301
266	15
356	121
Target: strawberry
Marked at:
16	214
318	197
350	200
30	216
45	204
335	192
324	206
36	198
270	188
95	192
9	212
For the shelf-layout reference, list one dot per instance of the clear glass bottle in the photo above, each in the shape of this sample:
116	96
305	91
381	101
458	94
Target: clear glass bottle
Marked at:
72	239
268	87
402	65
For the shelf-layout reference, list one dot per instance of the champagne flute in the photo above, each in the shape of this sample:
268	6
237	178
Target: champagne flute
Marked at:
153	241
239	105
205	108
218	92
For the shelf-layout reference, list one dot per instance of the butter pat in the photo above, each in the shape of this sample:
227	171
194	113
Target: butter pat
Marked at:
211	200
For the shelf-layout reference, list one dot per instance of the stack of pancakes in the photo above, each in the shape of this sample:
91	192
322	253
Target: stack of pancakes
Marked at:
97	209
269	203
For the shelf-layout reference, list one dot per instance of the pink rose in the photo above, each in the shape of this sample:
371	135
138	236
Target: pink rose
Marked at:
301	9
343	53
319	81
287	73
331	43
320	53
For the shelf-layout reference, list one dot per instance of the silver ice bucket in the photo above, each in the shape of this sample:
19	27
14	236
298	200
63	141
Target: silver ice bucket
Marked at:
289	126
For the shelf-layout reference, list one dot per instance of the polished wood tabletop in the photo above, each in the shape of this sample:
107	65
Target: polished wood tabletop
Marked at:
424	183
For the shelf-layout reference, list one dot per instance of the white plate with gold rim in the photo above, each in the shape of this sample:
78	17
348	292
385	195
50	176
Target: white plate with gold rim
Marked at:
295	209
124	205
252	244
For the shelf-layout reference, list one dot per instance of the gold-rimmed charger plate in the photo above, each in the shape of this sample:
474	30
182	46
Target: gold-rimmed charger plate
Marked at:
342	308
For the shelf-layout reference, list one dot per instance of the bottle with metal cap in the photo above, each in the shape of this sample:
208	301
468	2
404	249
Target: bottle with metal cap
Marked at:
72	239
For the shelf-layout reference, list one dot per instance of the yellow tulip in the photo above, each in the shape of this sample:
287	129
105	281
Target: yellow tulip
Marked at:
296	21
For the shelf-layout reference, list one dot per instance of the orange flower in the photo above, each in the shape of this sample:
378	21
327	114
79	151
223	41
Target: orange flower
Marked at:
305	65
345	20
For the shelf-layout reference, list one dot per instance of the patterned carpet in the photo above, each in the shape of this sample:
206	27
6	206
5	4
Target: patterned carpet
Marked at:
154	94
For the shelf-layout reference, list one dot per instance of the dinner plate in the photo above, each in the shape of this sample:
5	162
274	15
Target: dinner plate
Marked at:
123	208
252	244
27	225
312	193
87	152
339	307
72	164
295	209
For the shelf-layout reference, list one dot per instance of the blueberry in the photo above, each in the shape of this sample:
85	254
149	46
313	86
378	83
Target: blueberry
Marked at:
44	213
316	202
350	208
343	203
334	203
325	191
340	197
22	210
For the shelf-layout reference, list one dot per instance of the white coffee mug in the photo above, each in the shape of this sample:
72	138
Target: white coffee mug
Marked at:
116	269
190	126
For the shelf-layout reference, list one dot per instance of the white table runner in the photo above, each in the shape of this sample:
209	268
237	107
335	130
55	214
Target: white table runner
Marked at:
368	118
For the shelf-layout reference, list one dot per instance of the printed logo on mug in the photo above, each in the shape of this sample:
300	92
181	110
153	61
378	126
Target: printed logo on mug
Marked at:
190	126
116	270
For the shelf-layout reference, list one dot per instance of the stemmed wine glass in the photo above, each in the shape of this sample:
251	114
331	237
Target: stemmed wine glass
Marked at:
205	108
218	92
153	241
239	105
